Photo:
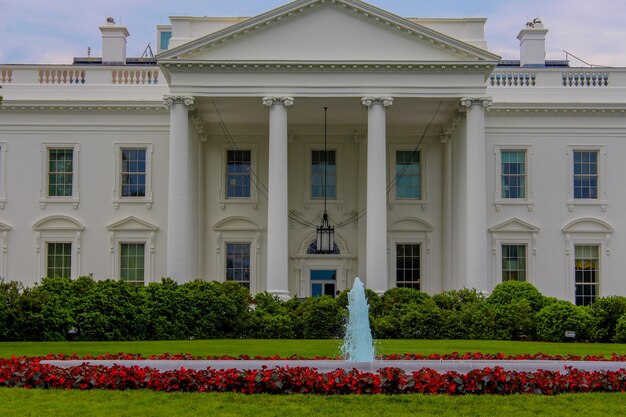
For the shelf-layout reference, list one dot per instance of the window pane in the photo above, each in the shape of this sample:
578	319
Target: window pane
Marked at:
238	172
513	174
408	175
133	172
60	172
238	263
59	260
323	173
132	262
585	181
408	270
586	273
513	263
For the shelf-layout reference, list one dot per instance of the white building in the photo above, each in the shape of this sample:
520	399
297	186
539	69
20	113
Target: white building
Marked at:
447	167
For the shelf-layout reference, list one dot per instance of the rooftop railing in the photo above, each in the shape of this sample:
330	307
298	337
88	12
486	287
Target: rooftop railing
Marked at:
70	75
553	77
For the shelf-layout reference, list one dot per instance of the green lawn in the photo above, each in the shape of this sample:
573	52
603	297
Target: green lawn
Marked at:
307	348
21	402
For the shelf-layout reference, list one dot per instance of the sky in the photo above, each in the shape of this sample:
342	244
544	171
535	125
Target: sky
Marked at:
54	31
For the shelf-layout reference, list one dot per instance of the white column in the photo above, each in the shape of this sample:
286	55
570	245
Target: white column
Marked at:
181	237
277	207
376	220
475	223
446	220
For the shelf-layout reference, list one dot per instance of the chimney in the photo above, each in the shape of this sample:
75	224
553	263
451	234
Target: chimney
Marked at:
532	44
113	42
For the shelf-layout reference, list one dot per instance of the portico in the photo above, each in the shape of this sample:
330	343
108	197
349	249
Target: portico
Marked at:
254	91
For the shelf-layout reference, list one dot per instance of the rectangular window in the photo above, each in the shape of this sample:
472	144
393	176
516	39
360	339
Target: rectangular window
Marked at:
513	263
132	262
321	160
59	259
408	265
238	263
586	174
60	172
238	170
323	282
408	175
513	173
587	273
133	172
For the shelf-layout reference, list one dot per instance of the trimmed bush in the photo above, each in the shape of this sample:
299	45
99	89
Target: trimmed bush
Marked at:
561	316
620	330
510	292
319	318
606	311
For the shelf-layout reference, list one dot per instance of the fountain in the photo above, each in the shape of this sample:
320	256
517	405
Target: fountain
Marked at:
358	345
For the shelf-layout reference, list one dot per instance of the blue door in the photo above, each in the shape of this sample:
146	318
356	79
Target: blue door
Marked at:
323	282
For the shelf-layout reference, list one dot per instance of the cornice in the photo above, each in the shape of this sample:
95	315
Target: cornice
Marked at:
327	67
557	108
15	105
361	10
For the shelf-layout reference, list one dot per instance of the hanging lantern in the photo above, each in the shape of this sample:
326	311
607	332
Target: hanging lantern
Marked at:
325	236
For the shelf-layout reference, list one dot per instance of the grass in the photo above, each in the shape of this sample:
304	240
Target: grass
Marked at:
307	348
20	402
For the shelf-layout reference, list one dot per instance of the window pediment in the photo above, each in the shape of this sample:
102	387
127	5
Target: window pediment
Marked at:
588	225
236	223
58	222
514	225
132	223
410	224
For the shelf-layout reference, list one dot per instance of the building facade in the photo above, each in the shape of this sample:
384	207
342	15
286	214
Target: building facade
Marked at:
445	166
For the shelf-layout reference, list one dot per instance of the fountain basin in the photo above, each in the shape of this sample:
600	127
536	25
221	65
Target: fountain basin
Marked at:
324	366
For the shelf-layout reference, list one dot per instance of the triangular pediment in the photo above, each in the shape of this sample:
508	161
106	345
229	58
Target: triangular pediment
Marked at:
588	225
58	222
327	31
132	223
514	225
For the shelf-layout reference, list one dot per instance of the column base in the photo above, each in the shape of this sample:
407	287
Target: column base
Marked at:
283	295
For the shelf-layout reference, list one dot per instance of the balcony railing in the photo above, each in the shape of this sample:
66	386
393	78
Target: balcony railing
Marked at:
71	75
553	77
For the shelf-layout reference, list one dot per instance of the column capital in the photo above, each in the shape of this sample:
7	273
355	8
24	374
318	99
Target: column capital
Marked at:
444	137
270	101
470	101
369	101
171	100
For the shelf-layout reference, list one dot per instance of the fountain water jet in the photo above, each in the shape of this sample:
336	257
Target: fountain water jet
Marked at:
358	345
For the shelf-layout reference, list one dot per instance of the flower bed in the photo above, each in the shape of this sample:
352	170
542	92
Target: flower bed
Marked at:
30	373
393	356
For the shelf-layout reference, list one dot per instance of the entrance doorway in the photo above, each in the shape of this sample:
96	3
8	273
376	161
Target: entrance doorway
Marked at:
323	282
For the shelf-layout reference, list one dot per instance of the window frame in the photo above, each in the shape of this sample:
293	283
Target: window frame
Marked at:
499	200
392	149
57	229
598	281
3	174
45	199
526	259
308	149
146	258
132	230
421	260
329	198
253	200
514	231
411	230
117	189
47	255
227	175
250	255
601	199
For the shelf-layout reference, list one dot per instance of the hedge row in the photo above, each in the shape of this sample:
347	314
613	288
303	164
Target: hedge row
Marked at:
84	309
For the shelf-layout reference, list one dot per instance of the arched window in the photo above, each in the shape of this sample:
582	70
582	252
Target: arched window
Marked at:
312	250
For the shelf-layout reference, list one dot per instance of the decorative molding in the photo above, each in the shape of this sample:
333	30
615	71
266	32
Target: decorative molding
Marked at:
470	101
269	101
170	100
369	101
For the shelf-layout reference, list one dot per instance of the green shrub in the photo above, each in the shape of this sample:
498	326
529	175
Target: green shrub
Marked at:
421	321
620	330
510	292
455	299
561	316
9	299
271	318
319	318
606	311
164	305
